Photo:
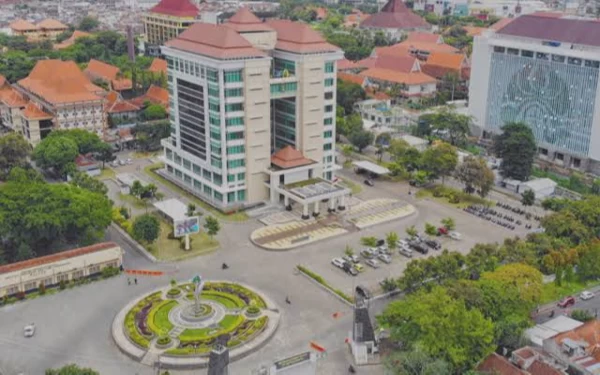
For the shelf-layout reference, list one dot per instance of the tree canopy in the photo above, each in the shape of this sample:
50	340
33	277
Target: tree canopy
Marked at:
88	24
55	153
72	369
476	175
347	94
439	160
14	151
517	148
146	228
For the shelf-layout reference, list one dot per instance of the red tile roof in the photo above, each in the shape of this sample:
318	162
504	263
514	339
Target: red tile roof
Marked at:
158	66
121	106
540	368
289	157
395	15
393	76
11	97
354	78
64	255
441	63
425	46
33	112
495	364
396	50
405	64
60	82
52	24
473	30
217	41
101	70
121	84
321	13
245	21
588	332
177	8
345	64
567	30
299	37
158	94
420	37
500	24
22	25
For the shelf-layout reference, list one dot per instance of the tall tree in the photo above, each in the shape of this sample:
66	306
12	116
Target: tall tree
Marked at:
526	279
146	228
440	160
212	226
528	197
347	94
415	362
517	148
85	181
104	153
71	370
455	126
55	153
88	24
14	151
441	326
361	139
476	175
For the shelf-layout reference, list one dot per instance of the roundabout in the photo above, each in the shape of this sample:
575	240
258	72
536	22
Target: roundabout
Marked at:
179	325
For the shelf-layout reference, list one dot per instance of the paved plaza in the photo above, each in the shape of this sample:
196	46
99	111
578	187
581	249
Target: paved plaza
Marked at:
74	325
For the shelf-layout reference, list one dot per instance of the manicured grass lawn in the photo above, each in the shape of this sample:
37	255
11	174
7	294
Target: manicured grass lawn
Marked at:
160	318
134	201
106	174
231	321
354	187
196	334
170	249
236	217
231	302
552	292
465	199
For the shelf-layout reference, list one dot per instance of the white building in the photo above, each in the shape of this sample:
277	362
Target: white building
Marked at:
542	70
241	91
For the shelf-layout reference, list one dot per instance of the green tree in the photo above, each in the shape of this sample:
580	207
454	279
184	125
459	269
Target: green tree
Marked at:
347	151
430	229
528	198
146	228
348	93
389	284
55	153
154	112
137	189
440	160
104	153
412	231
448	223
392	240
441	326
368	241
582	315
383	139
212	226
526	279
191	209
404	154
88	24
85	181
14	151
87	142
148	136
517	148
361	139
349	251
456	126
72	369
588	265
415	362
476	175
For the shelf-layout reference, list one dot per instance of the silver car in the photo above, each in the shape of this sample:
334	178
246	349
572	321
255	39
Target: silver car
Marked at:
373	263
385	258
29	330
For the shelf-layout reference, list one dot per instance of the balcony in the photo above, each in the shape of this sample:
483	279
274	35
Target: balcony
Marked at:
283	89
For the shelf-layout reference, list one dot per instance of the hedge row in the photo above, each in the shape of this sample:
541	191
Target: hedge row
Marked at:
322	281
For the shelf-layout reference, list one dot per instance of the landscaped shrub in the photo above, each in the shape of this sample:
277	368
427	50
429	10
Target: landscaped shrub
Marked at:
42	288
253	310
322	281
110	271
62	285
173	292
164	340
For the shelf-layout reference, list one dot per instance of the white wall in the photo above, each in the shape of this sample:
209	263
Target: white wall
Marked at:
480	74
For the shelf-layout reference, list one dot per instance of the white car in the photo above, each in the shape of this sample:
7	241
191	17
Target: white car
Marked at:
585	295
385	258
403	243
455	235
373	263
29	330
338	262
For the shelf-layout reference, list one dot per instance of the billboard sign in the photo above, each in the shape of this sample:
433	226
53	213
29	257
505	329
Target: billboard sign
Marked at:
185	226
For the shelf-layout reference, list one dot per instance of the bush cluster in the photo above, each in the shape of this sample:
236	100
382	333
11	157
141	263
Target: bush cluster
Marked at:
322	281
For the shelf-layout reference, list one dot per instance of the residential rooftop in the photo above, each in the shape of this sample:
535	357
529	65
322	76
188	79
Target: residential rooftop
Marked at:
176	8
395	15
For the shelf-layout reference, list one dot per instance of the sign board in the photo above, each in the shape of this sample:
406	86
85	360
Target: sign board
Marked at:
185	226
291	361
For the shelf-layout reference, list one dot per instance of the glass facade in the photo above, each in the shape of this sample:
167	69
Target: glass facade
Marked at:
553	96
190	106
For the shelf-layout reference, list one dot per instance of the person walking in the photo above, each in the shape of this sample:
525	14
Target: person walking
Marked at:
128	281
135	281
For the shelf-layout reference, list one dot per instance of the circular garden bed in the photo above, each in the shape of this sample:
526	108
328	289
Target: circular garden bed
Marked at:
153	316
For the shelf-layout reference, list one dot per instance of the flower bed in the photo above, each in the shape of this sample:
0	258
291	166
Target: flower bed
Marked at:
246	295
228	300
163	341
246	331
174	293
158	318
253	311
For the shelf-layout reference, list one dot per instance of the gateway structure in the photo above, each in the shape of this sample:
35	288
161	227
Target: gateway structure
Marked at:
240	92
542	69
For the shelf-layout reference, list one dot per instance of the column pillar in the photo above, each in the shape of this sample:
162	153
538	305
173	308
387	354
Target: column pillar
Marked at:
286	202
316	211
305	212
342	206
331	207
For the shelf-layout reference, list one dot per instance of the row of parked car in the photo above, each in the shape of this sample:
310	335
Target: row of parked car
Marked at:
420	243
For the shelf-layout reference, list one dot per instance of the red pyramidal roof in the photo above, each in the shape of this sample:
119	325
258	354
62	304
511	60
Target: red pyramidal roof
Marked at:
177	8
289	157
395	15
245	21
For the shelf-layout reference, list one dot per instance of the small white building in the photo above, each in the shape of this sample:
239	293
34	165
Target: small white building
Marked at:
536	335
511	184
542	187
416	142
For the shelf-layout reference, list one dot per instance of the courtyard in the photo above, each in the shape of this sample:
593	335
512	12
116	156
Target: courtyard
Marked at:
74	325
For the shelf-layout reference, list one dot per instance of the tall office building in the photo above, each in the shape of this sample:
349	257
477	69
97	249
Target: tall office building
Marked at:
253	111
542	70
165	21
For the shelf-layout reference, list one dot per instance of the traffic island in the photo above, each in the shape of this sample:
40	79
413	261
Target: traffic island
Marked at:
180	329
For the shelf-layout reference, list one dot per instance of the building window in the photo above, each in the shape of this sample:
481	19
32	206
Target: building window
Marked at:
236	163
280	66
94	269
230	178
235	135
328	108
499	49
234	121
241	176
169	154
576	163
592	64
327	146
233	76
213	91
77	275
241	195
526	53
235	150
207	190
214	120
329	82
187	165
197	170
558	58
30	286
329	67
542	56
328	134
216	162
328	121
178	159
197	185
218	196
12	290
231	93
574	61
234	107
207	175
560	156
512	51
231	197
544	151
62	277
328	95
212	75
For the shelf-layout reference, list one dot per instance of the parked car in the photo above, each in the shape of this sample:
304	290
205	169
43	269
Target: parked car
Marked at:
585	295
122	162
29	330
384	250
346	258
420	247
402	243
367	253
380	242
369	183
455	236
442	231
338	262
406	251
373	263
359	267
434	244
355	258
350	269
385	258
566	302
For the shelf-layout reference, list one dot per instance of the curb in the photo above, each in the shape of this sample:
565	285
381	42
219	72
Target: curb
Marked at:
133	243
324	288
